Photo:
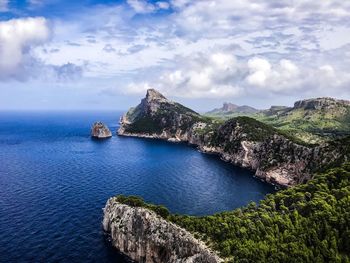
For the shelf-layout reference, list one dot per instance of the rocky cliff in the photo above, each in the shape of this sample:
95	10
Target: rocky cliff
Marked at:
274	156
231	109
100	131
321	103
318	119
146	237
158	117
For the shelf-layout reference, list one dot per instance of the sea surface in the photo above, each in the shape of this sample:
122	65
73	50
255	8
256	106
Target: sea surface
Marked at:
55	180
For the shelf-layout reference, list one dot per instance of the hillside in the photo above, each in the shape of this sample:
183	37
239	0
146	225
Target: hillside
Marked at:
274	155
152	116
312	120
307	223
230	110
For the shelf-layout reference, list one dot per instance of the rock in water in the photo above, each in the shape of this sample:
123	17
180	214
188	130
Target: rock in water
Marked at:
146	237
100	131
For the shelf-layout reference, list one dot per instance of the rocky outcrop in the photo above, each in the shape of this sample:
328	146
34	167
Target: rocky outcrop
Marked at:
100	131
275	157
230	108
148	238
151	118
320	103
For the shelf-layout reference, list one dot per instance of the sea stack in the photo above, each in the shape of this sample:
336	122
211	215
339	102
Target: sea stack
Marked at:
100	131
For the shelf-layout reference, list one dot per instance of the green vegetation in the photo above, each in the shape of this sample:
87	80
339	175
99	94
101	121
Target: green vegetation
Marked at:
165	117
229	115
145	124
307	223
311	122
252	129
136	201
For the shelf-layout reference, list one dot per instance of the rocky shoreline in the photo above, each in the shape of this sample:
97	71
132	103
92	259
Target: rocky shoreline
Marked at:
273	156
146	237
100	130
244	142
278	176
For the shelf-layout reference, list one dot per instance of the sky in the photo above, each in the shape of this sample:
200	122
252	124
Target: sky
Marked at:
104	55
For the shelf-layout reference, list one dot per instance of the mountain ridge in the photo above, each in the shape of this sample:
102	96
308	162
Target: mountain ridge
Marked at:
230	108
314	120
275	156
281	226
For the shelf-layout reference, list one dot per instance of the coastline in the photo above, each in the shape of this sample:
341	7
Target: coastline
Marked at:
263	176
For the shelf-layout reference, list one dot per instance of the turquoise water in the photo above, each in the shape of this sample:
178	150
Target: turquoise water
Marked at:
55	180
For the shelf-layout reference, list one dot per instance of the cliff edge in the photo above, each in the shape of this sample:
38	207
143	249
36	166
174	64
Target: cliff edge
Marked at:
276	157
146	237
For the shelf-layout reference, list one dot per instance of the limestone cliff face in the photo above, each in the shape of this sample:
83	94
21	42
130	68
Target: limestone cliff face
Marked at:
151	119
321	103
100	131
147	238
242	141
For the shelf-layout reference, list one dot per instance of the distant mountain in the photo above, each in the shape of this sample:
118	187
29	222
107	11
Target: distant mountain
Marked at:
311	119
277	156
230	109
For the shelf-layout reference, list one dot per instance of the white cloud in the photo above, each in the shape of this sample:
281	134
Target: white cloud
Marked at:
35	3
144	7
261	74
197	76
141	6
221	75
163	5
17	38
179	3
202	49
280	77
4	5
260	71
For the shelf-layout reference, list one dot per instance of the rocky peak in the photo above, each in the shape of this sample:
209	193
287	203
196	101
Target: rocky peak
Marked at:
100	131
229	106
320	103
154	95
152	102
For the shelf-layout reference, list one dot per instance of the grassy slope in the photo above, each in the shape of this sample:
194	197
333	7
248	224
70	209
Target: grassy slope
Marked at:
308	126
311	124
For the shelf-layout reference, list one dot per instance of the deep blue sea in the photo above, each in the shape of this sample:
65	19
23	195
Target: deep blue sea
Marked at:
55	180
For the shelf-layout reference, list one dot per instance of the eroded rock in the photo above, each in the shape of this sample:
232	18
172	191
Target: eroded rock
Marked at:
100	131
146	237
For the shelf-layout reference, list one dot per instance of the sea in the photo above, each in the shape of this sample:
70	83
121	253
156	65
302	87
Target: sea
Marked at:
55	180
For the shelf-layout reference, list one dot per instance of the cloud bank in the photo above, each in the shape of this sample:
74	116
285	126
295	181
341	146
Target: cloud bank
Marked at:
208	49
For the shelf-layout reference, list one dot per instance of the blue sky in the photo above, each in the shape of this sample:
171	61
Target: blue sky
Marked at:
97	55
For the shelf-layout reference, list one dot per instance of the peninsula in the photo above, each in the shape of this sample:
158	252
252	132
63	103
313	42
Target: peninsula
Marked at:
306	222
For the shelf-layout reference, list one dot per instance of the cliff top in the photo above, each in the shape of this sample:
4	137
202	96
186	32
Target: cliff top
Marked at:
318	103
151	238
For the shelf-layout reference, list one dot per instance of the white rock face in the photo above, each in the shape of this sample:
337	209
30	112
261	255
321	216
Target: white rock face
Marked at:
146	237
100	131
